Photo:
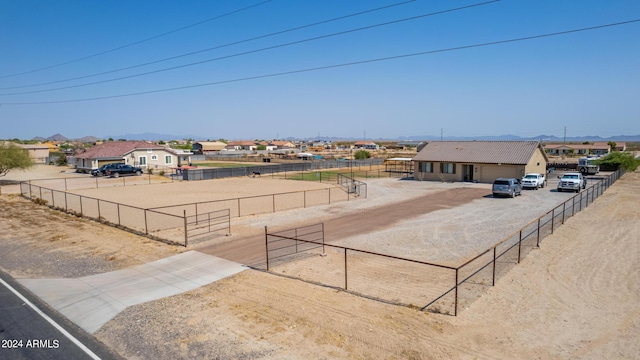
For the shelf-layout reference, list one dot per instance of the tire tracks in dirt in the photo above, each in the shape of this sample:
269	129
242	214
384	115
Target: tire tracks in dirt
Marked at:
250	250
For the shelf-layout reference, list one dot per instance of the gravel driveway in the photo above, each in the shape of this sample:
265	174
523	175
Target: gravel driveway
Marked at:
453	233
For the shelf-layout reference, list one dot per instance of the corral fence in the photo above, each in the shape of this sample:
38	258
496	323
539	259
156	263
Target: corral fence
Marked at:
417	284
181	223
280	169
352	186
203	224
302	253
155	224
261	204
95	182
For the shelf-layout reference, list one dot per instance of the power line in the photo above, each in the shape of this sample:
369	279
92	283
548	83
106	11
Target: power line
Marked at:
332	66
254	51
136	42
215	47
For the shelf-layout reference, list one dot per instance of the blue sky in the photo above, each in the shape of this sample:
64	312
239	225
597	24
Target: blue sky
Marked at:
586	81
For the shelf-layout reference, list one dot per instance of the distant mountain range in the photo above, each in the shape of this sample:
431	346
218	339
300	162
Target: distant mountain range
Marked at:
542	138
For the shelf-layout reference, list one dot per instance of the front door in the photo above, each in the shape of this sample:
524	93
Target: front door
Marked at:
468	172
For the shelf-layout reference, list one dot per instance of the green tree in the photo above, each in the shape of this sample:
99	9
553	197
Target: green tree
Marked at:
620	160
13	157
261	147
362	154
612	146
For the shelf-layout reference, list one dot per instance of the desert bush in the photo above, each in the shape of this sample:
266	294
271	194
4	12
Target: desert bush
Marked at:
362	154
620	160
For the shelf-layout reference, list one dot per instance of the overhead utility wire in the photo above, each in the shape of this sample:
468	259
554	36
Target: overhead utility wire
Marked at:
250	51
136	42
213	48
331	66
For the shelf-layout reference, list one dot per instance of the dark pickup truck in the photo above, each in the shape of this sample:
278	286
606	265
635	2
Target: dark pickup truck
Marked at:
124	170
102	170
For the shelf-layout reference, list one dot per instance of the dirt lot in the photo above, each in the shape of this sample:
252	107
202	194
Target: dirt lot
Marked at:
576	297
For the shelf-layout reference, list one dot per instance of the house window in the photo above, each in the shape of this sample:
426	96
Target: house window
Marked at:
448	168
142	160
168	159
426	167
154	157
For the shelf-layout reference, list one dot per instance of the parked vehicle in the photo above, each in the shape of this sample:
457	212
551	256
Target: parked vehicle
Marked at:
572	181
533	181
124	170
588	165
507	187
102	170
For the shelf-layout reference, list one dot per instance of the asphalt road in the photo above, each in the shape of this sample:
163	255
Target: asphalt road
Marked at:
29	329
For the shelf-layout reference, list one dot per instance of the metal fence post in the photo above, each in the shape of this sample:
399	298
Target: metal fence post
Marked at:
519	246
493	283
455	309
564	208
345	268
266	245
186	237
538	240
553	218
146	227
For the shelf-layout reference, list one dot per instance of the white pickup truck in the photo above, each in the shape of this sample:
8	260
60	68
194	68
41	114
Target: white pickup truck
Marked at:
572	181
533	181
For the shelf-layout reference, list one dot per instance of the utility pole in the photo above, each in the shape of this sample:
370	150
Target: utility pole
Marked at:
565	135
440	134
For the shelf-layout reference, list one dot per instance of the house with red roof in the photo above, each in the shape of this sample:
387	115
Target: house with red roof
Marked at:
144	154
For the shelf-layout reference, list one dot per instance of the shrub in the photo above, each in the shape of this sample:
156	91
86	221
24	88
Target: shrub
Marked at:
362	154
620	160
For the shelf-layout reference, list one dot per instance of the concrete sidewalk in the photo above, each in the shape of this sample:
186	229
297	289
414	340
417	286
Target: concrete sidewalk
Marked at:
92	301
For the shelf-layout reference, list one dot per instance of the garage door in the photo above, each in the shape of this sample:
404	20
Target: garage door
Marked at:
491	172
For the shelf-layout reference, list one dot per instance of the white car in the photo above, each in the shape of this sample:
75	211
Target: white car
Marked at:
533	181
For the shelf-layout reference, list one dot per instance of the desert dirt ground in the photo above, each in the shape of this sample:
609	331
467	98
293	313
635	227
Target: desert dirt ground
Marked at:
578	296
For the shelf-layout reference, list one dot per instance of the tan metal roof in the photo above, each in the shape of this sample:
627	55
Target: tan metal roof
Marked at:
483	152
212	145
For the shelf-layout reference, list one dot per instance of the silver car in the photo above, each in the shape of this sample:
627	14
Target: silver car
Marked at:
510	187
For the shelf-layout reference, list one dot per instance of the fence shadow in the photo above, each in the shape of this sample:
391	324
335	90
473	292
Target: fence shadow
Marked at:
426	286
